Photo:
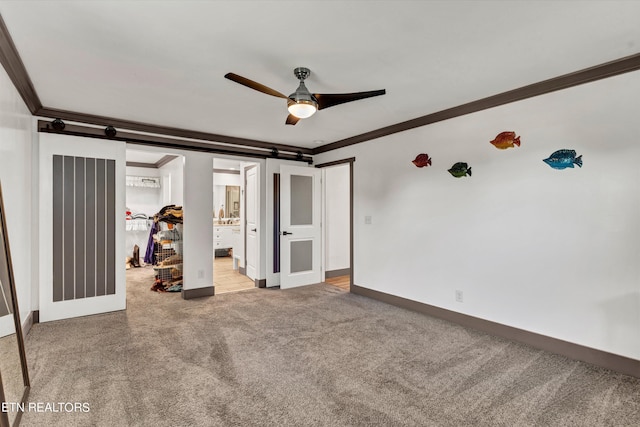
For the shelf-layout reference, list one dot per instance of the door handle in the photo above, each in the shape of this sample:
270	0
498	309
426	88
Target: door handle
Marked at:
284	233
254	229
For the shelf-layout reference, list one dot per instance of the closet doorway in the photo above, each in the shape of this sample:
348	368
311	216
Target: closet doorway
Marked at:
155	181
154	191
234	224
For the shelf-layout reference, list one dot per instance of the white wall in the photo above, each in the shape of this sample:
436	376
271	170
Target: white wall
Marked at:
173	181
226	179
16	152
144	199
198	227
336	222
550	251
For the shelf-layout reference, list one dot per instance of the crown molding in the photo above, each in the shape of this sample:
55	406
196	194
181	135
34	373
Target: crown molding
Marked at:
164	160
227	171
12	63
157	165
141	165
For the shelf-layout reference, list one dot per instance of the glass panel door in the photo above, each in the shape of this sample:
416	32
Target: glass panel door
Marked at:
300	224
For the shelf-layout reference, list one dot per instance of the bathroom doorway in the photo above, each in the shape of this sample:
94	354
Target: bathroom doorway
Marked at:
233	225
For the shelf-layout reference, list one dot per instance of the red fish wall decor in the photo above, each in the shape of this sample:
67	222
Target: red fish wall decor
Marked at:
506	140
422	160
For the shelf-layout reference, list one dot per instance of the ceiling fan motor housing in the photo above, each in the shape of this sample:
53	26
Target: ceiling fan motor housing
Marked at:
302	94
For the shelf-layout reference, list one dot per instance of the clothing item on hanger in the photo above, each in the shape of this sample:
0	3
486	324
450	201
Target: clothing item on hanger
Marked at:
150	254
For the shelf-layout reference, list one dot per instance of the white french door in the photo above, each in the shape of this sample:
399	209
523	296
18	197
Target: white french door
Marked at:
82	205
300	218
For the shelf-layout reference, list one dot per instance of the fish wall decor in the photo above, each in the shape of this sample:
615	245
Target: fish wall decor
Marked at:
460	169
506	140
562	159
422	160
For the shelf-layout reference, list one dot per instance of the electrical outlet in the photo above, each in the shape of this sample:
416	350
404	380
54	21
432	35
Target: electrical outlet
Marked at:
200	274
367	219
459	296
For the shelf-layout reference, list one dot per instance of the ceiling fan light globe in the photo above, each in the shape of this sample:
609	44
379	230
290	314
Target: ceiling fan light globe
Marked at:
302	109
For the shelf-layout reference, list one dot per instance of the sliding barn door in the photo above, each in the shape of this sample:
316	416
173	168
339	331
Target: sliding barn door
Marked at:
82	205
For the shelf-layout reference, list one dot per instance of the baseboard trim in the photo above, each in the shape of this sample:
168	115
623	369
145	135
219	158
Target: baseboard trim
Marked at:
32	318
336	273
209	291
600	358
242	270
261	283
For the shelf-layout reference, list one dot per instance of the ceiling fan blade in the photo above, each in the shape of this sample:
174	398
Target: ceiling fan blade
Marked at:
253	85
326	100
291	119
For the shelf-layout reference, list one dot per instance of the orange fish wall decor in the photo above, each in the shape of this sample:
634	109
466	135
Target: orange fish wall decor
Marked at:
506	140
422	160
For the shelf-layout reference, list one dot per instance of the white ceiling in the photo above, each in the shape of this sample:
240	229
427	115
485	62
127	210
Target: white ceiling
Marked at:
163	62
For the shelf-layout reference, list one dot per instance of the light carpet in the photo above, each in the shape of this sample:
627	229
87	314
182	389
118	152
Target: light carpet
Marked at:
311	356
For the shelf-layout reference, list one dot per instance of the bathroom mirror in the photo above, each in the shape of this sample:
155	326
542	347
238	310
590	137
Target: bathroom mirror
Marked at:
14	377
232	201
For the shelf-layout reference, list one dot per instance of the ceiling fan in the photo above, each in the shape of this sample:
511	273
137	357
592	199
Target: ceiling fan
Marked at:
302	103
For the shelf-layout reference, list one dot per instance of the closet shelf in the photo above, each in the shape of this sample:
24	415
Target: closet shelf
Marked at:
137	225
143	181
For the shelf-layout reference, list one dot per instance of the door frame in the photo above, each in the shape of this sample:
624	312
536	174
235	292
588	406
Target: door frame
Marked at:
247	163
258	220
350	161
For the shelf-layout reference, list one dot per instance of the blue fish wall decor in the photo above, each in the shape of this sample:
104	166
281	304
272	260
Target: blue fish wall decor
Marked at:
562	159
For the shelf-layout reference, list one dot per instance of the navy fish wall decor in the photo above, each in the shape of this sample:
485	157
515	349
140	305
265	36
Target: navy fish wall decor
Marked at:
562	159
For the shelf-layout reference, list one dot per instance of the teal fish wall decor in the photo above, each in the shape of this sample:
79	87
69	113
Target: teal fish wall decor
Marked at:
562	159
460	169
